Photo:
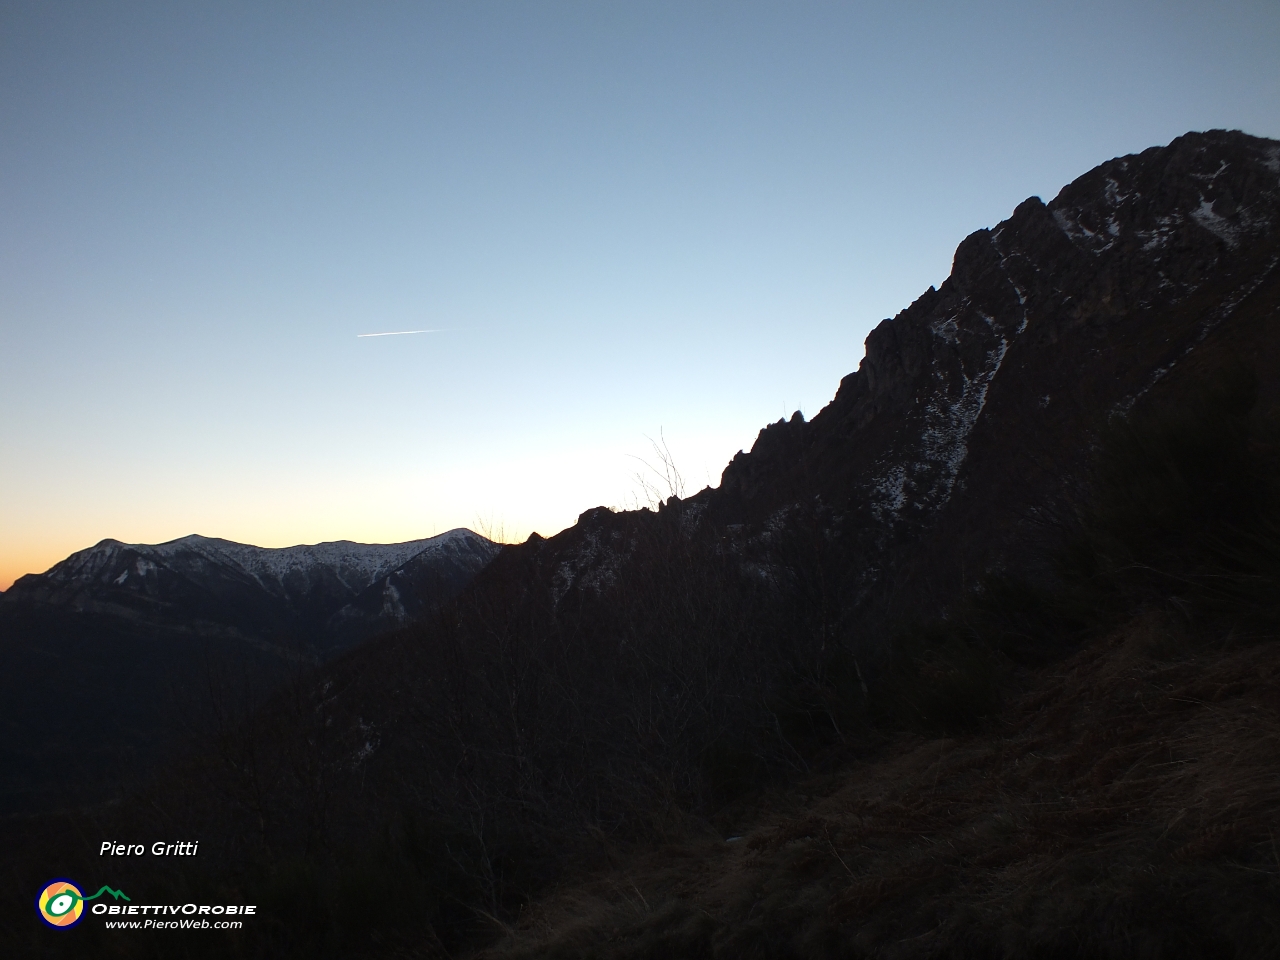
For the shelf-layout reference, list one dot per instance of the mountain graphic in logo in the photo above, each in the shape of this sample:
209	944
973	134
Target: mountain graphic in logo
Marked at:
61	904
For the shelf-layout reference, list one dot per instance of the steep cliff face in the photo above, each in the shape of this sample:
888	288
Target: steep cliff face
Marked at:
977	401
973	410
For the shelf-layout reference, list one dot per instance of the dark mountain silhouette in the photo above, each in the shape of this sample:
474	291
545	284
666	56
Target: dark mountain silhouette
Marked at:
1064	454
975	404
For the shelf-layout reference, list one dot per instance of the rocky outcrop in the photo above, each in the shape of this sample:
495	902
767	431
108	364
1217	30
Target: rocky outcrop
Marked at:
974	407
977	400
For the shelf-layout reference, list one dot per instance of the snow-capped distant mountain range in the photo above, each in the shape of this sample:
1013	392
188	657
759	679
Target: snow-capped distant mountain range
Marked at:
139	643
355	563
323	596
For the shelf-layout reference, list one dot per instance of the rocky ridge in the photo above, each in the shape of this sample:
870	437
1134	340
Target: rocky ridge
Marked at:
966	414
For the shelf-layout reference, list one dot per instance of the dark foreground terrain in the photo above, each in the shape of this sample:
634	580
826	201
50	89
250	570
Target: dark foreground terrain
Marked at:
981	662
1123	805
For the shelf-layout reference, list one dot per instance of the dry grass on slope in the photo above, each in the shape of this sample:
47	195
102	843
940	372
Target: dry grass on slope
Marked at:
1127	805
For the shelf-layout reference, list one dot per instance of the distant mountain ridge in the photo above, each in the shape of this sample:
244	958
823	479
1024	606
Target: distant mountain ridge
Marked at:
143	643
263	593
368	560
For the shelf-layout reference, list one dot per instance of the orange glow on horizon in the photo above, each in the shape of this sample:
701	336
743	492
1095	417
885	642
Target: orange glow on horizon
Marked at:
9	574
39	559
11	568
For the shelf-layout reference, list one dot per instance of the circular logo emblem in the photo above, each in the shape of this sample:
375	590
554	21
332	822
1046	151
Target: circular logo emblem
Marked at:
60	903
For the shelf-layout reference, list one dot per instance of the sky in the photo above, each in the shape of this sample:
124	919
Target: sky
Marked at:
624	222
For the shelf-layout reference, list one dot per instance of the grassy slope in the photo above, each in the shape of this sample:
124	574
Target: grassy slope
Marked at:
1126	804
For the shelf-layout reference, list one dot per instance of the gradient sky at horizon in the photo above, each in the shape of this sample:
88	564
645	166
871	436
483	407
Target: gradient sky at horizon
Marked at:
621	219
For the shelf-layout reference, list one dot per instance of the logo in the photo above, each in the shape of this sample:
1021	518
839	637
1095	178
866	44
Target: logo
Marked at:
61	904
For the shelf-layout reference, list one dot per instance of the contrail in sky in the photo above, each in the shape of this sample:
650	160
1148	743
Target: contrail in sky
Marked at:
394	333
